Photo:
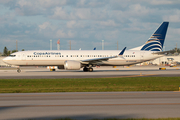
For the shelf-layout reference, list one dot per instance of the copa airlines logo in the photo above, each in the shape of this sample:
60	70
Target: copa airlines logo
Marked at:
153	44
47	53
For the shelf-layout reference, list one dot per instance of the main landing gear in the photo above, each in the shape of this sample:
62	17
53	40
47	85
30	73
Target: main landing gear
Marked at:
18	70
85	69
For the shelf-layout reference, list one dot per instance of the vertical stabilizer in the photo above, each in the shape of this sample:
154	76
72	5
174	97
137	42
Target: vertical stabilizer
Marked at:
156	41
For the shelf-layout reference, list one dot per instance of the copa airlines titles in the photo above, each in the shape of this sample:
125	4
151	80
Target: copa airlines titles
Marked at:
47	53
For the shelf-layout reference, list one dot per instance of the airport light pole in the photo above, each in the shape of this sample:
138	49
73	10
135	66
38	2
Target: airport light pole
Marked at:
16	45
70	44
58	44
117	45
102	44
50	44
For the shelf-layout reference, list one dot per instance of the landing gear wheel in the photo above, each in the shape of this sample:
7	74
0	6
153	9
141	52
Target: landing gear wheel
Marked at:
18	70
90	69
85	69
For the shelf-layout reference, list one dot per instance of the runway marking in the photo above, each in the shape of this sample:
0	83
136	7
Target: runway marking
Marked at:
140	75
88	105
92	94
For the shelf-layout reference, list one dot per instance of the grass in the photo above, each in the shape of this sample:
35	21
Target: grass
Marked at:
89	85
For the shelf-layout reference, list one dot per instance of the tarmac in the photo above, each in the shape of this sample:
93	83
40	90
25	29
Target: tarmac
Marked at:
101	72
89	105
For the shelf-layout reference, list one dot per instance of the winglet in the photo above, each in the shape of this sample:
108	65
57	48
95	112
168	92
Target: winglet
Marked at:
122	52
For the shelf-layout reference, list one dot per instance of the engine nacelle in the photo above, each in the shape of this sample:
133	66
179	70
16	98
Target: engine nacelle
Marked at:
72	65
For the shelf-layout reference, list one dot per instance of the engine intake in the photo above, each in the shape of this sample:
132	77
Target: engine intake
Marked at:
72	65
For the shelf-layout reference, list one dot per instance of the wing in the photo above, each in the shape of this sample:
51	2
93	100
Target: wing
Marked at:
99	60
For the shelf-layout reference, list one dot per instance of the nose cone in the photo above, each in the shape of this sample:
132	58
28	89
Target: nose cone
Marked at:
5	60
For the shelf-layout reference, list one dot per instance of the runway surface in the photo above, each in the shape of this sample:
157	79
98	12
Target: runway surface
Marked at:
135	71
88	105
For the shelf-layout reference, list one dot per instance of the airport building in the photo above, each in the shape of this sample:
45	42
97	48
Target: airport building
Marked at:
167	60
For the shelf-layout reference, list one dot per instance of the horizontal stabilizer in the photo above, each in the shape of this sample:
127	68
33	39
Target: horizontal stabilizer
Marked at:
163	52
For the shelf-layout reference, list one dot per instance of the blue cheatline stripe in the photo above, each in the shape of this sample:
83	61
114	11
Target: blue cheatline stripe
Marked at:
149	44
155	50
155	46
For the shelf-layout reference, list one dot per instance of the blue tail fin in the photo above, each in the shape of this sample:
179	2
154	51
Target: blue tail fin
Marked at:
156	41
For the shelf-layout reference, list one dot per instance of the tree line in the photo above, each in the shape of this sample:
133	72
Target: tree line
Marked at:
7	52
175	50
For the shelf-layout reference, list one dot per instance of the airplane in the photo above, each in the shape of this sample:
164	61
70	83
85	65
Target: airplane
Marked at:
87	59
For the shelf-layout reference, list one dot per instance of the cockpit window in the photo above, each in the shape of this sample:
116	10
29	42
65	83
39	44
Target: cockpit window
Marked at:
12	55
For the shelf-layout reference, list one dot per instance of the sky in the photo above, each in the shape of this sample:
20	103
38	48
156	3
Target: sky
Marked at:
33	23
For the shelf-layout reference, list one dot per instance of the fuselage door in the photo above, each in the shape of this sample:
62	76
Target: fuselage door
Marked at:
23	56
142	56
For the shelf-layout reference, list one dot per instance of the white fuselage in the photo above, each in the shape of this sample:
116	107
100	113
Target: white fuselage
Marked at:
58	57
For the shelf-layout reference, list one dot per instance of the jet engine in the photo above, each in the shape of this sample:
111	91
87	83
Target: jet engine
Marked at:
72	65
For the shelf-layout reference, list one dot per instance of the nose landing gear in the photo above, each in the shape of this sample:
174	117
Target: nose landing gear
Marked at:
18	70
